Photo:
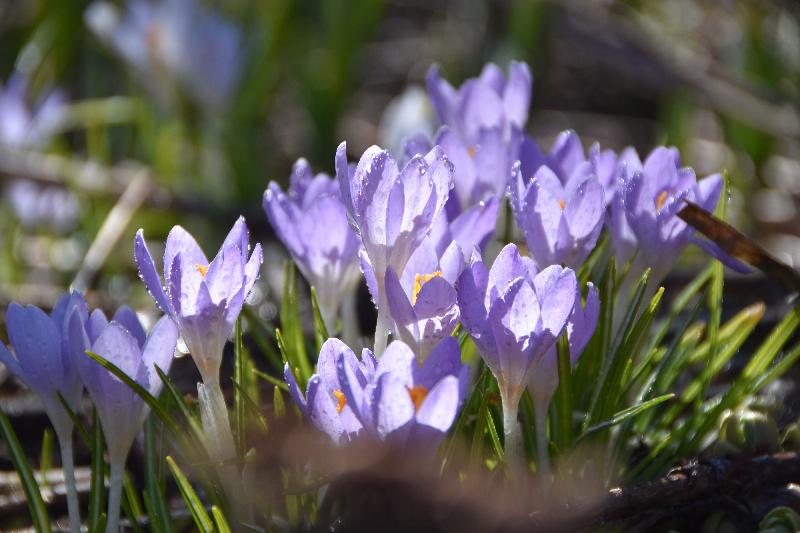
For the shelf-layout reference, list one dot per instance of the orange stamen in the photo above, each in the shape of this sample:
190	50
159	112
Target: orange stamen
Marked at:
660	200
419	281
341	399
562	204
417	394
471	151
202	269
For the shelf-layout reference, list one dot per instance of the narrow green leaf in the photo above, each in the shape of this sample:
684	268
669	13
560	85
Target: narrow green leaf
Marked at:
291	325
624	415
131	504
178	399
271	380
563	398
498	448
195	505
219	520
250	407
277	402
320	330
239	365
264	337
33	496
97	487
46	455
154	498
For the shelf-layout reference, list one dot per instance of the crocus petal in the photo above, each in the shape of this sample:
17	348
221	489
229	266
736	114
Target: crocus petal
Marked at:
294	389
507	267
394	406
158	350
148	272
36	339
322	411
440	407
126	317
517	94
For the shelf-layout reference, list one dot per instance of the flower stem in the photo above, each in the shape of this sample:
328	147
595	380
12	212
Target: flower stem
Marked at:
512	446
381	332
117	468
542	444
68	466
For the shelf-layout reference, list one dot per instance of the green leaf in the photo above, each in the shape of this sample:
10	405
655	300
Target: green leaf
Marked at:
154	498
131	505
271	380
320	331
625	414
178	399
563	398
33	495
291	326
277	402
239	365
219	519
250	407
97	487
46	454
195	505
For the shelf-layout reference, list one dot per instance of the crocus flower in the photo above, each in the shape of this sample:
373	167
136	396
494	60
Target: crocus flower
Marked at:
582	322
561	221
173	43
203	298
328	259
514	315
392	209
486	102
324	403
422	300
483	121
651	199
40	357
123	342
404	402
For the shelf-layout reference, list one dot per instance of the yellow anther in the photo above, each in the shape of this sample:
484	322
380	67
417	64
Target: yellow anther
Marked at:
341	399
660	200
202	269
562	204
417	394
471	151
420	280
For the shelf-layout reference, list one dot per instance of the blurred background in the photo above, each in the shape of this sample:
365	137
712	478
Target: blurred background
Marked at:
128	114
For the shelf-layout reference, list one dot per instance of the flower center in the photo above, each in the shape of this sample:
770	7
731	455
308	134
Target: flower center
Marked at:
420	280
417	393
562	204
342	401
471	151
662	197
202	269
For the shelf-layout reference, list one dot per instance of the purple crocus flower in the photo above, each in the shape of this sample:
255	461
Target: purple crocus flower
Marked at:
514	316
173	43
406	403
203	298
561	220
327	259
38	356
582	322
324	403
422	300
123	342
483	121
392	209
651	197
483	103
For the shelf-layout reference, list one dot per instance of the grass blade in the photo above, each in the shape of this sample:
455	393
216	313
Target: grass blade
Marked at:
97	487
563	394
320	330
219	520
33	496
195	505
625	414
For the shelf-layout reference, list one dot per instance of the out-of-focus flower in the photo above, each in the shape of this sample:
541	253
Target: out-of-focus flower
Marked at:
203	298
121	341
486	102
408	115
406	403
393	210
483	121
324	403
173	43
652	196
561	221
27	126
329	258
582	322
39	357
422	300
121	411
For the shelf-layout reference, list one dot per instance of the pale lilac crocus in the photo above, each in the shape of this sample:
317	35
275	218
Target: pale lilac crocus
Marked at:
422	300
514	315
651	196
121	341
324	403
392	209
404	402
312	223
561	221
173	44
38	355
204	299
